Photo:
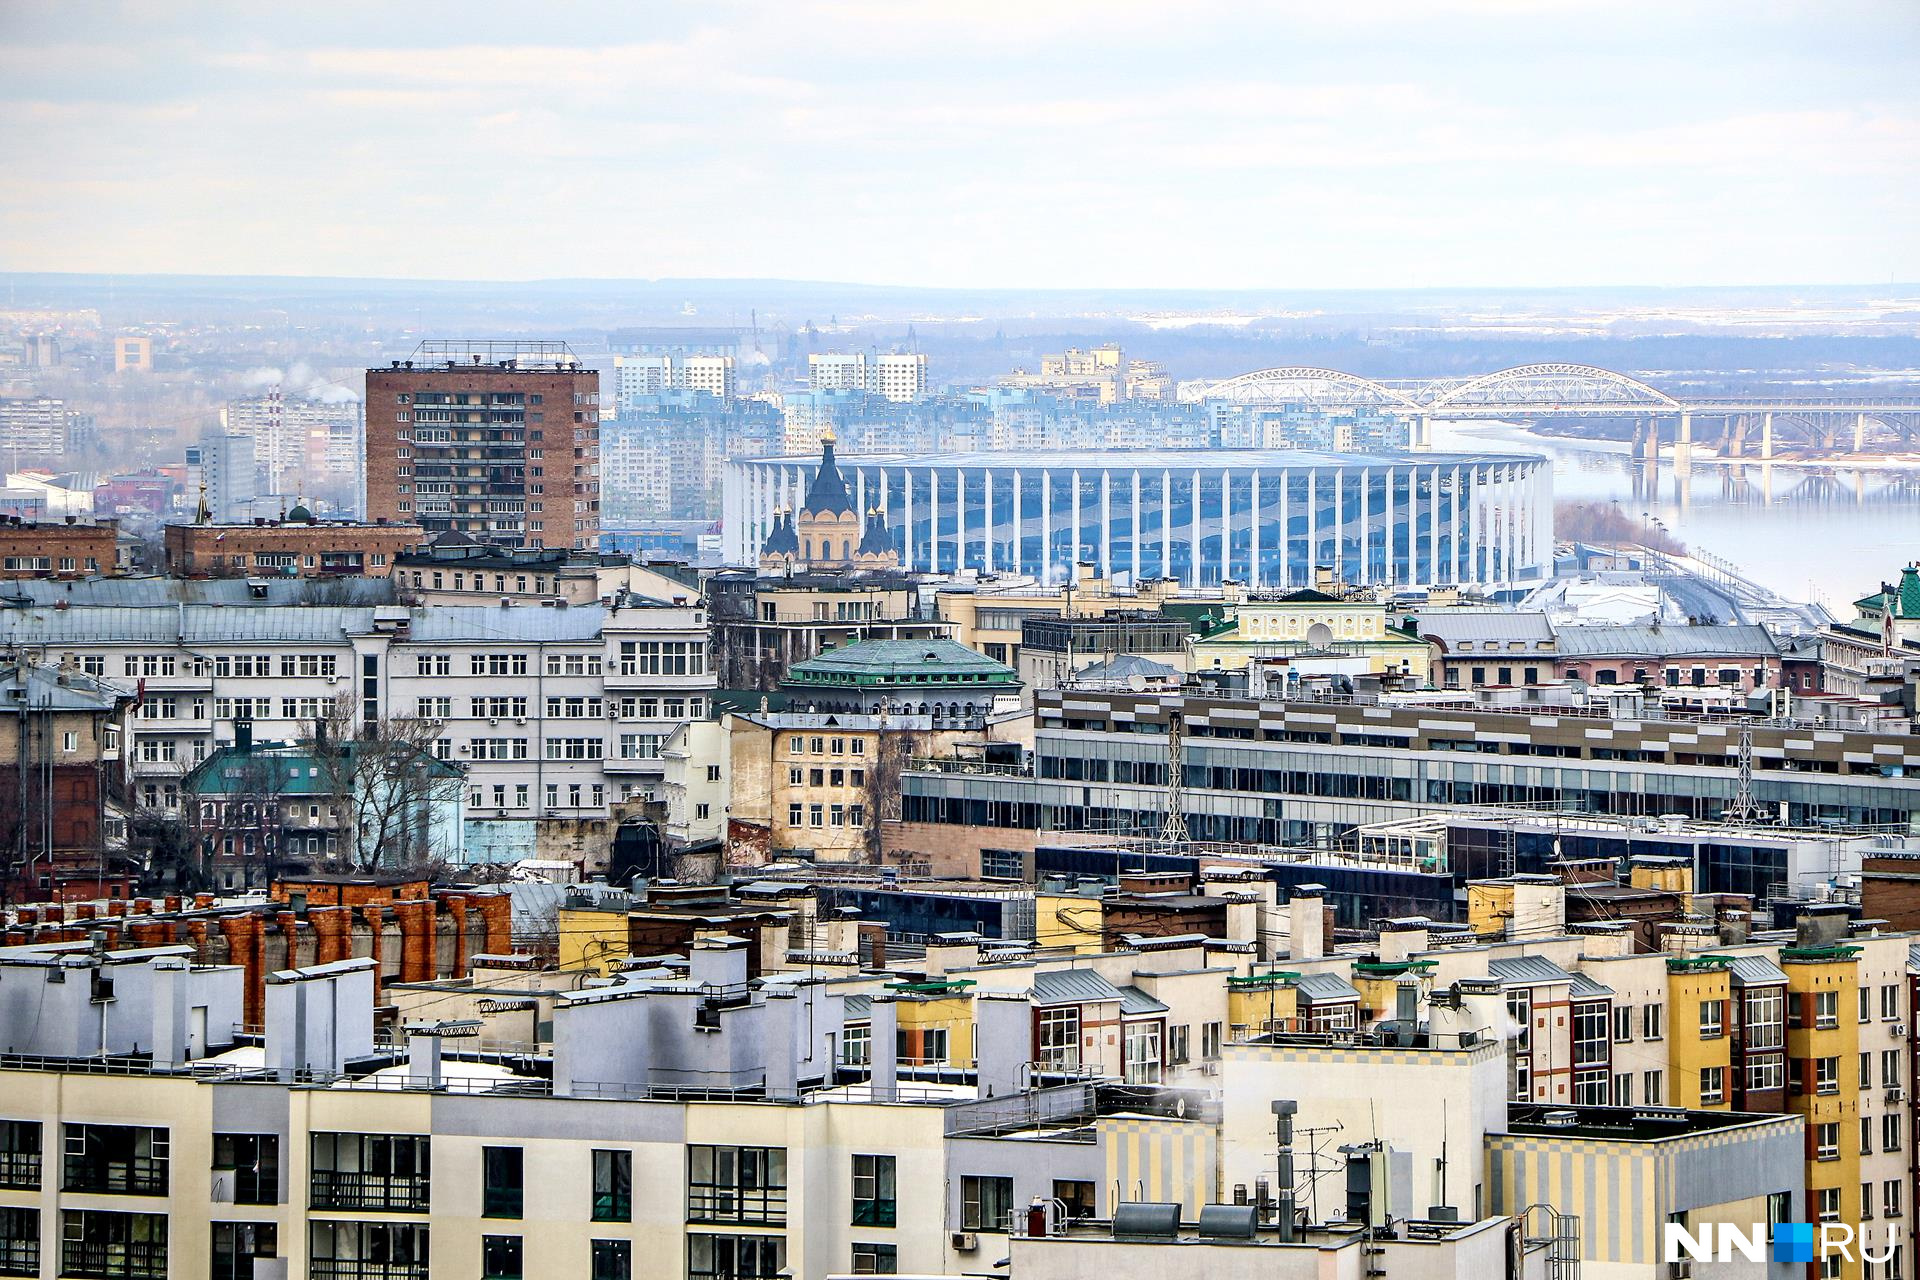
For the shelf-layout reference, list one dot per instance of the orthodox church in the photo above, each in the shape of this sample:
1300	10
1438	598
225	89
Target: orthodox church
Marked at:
828	532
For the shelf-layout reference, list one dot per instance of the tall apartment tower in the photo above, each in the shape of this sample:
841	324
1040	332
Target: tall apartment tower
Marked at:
498	440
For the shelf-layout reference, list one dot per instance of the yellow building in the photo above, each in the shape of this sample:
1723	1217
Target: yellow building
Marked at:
1699	1049
1823	1081
1311	624
132	355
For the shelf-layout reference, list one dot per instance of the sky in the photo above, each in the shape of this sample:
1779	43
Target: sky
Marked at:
990	143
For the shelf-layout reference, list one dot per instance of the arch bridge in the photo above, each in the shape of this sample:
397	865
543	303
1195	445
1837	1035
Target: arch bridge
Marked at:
1746	426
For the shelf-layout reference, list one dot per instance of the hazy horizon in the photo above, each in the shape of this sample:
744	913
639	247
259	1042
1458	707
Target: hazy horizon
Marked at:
1413	144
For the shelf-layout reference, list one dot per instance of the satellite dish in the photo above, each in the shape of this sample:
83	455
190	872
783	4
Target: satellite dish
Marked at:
1319	635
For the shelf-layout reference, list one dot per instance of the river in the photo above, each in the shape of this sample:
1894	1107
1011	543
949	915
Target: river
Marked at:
1827	534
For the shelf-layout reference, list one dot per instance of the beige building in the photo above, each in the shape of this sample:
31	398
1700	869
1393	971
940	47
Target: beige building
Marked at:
988	616
1304	625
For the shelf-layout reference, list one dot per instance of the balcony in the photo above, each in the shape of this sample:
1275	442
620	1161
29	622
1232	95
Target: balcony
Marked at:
364	1269
99	1175
763	1206
335	1189
101	1260
19	1257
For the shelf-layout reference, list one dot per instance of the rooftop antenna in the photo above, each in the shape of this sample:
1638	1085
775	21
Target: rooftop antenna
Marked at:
1744	808
1174	830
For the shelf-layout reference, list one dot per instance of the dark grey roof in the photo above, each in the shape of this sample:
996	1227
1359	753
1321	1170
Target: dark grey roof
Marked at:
1527	971
47	688
1585	988
857	1006
827	495
1124	667
1135	1001
257	623
1072	986
1666	642
160	593
1451	626
1326	988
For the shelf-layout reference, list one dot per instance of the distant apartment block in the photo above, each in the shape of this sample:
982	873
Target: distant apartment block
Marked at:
652	375
298	441
132	354
901	378
498	441
34	427
220	475
1103	373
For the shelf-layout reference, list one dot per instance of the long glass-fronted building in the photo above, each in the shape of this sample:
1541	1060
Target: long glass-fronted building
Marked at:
1262	517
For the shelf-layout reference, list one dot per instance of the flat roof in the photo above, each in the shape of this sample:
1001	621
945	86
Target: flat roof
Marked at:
1169	459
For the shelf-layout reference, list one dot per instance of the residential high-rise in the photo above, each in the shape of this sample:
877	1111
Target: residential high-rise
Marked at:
300	443
499	440
901	378
221	469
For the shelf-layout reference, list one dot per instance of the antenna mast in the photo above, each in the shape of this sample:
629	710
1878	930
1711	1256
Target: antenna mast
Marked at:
1174	831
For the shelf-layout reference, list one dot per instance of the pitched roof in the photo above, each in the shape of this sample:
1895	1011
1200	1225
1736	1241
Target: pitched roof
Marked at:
1124	667
1072	986
1667	642
1451	626
827	495
1527	971
1755	971
885	660
1325	988
1135	1001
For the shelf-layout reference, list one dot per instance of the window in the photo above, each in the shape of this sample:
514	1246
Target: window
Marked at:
873	1191
1866	1071
1210	1038
856	1046
1076	1196
1712	1086
386	1173
1140	1052
500	1256
1622	1023
1826	1075
1866	1003
875	1259
1712	1019
19	1241
1766	1073
254	1159
1623	1089
97	1245
1890	1068
735	1257
114	1159
1590	1034
367	1250
1178	1042
1866	1135
1826	1141
1652	1088
1890	1003
1890	1198
1826	1010
1890	1131
737	1184
1827	1204
612	1260
1762	1018
1060	1038
20	1155
1650	1025
237	1244
613	1186
986	1204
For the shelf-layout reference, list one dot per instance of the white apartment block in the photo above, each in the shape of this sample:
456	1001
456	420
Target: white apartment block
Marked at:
555	711
901	378
297	440
637	376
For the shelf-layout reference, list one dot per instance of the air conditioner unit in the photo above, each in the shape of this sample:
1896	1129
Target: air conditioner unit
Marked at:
1210	1068
1899	1030
493	721
1896	1094
223	1186
965	1241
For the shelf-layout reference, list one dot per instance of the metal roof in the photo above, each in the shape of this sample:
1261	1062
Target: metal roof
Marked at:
1453	626
1666	642
858	1006
193	625
894	657
1072	986
159	592
1527	971
48	689
1755	971
1135	1001
1585	988
1175	460
1325	988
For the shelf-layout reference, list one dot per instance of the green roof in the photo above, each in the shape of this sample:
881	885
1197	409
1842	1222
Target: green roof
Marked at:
279	769
889	662
1906	596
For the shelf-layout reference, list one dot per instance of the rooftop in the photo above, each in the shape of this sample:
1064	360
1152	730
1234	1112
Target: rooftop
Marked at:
894	661
1170	459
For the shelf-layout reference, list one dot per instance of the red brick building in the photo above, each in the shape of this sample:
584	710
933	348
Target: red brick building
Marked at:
48	549
299	545
500	441
61	778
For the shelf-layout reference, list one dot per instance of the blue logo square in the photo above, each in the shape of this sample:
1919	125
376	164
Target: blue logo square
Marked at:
1793	1242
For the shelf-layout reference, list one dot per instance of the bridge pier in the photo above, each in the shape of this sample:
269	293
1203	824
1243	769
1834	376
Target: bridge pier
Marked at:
1422	441
1860	432
1683	445
1766	435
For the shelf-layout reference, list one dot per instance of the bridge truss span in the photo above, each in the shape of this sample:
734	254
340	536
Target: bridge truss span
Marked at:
1555	389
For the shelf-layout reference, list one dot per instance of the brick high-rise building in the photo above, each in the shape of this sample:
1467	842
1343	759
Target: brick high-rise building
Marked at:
499	440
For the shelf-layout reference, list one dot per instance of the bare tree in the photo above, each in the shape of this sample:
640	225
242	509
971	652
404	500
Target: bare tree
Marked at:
893	751
390	787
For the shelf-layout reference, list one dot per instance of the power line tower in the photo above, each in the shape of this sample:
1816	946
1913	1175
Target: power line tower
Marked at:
1174	830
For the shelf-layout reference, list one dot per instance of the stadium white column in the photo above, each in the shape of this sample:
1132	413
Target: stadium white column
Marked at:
906	518
986	519
1389	516
1459	524
1137	536
1019	548
1046	526
1253	532
1286	532
1073	558
959	519
1193	530
1166	523
1433	523
1106	523
1313	524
